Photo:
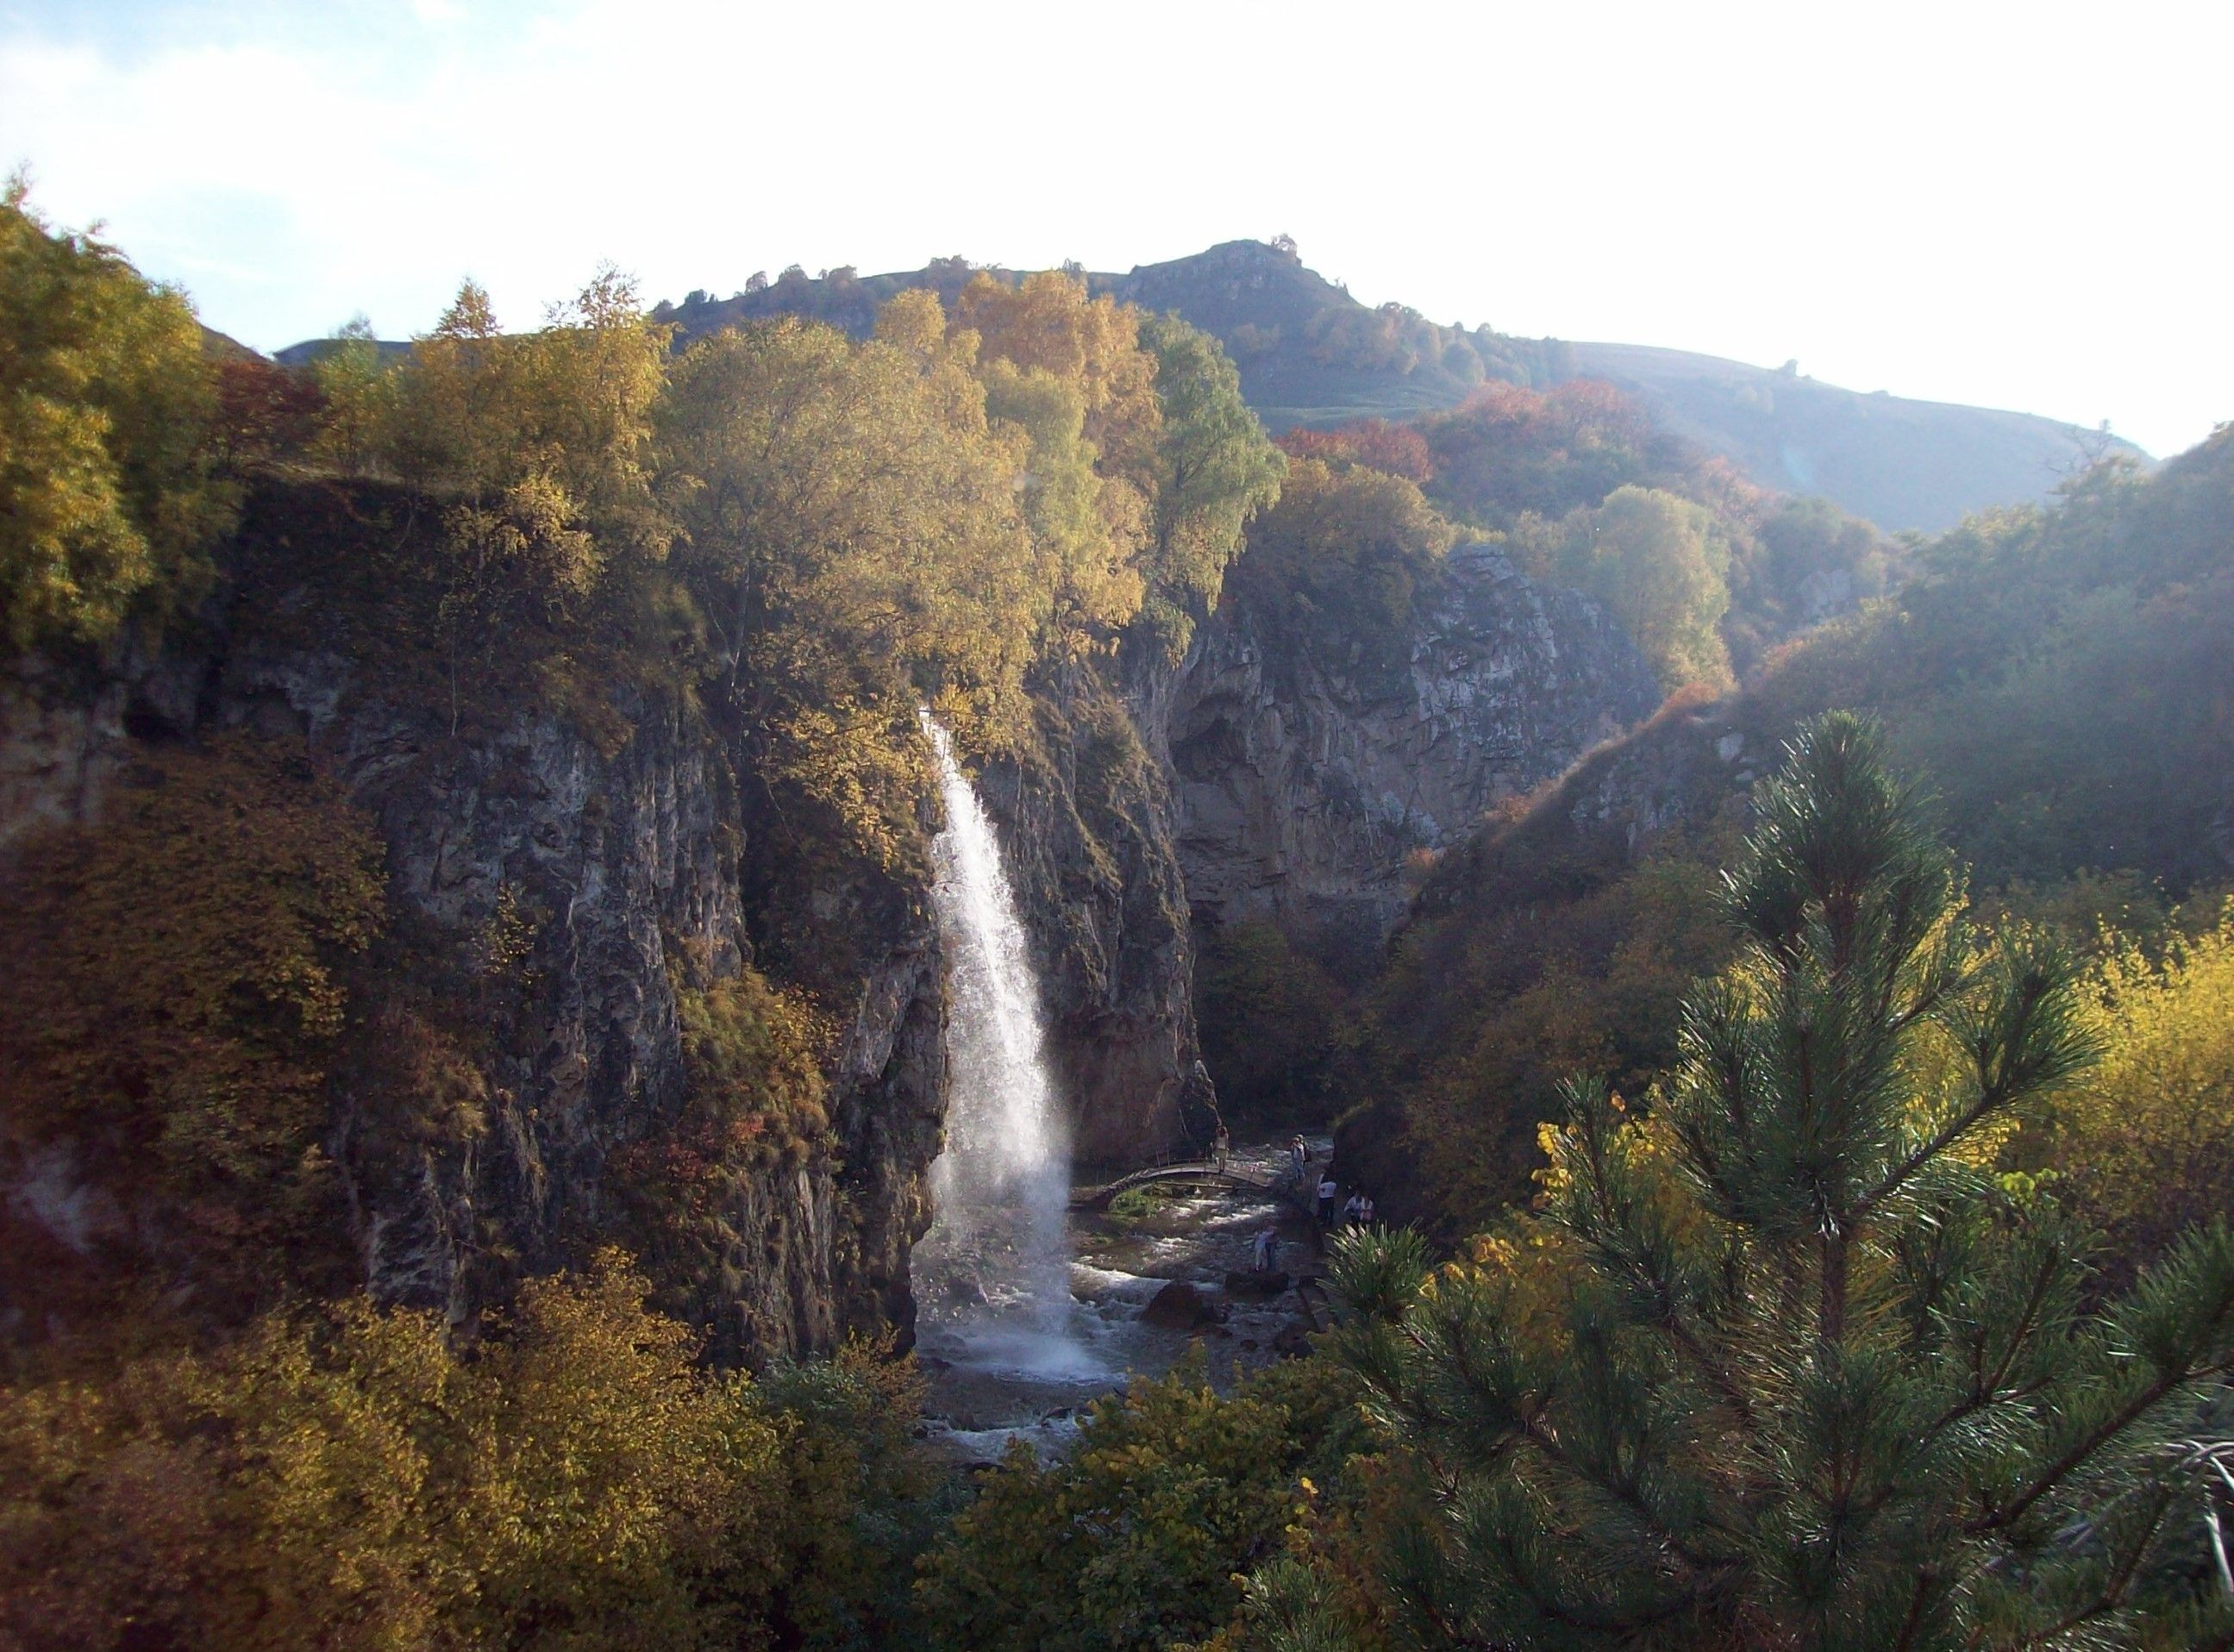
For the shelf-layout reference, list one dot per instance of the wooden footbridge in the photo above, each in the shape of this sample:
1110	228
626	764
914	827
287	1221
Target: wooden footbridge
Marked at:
1287	1186
1202	1171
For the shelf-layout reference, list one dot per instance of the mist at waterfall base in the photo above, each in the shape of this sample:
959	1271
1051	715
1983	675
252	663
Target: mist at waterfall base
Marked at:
1014	1331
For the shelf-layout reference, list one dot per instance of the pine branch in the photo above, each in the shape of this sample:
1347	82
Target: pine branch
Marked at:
2064	1466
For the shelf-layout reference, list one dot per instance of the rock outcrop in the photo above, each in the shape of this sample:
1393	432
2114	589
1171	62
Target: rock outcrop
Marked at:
624	858
1087	829
617	863
1303	783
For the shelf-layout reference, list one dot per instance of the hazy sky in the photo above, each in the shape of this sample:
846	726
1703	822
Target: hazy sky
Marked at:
2020	205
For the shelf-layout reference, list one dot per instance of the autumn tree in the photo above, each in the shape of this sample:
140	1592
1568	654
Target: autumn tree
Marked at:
1815	560
1048	321
1137	1536
348	1478
566	409
1659	563
266	411
1215	471
173	987
358	389
2144	1145
1089	530
1344	553
107	486
1782	1365
1510	450
1069	370
541	444
851	528
1399	449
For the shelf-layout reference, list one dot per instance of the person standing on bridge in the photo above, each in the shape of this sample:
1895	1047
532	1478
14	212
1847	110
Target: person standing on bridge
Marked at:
1220	1144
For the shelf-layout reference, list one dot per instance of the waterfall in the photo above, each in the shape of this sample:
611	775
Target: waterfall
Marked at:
995	1269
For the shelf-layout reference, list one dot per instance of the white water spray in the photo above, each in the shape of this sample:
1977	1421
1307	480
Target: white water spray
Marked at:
995	1264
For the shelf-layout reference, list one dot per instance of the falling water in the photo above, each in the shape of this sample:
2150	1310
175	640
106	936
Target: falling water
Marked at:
995	1269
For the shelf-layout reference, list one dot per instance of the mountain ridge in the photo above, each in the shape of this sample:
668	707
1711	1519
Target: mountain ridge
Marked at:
1311	354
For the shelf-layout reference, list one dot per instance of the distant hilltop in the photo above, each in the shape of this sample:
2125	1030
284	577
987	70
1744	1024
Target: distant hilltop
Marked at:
1310	354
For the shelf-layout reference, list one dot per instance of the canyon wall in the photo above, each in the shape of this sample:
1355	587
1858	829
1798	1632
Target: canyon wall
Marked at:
619	858
1306	776
625	857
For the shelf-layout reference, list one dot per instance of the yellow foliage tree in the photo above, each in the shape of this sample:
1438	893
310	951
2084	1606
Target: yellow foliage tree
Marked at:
106	487
543	441
1048	321
1089	530
359	392
348	1481
1659	565
1072	371
567	409
851	528
2146	1145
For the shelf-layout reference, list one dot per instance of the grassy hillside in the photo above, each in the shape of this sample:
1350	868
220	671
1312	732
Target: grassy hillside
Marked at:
1901	463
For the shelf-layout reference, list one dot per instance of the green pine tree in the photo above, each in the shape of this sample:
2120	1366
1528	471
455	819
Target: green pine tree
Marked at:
1788	1367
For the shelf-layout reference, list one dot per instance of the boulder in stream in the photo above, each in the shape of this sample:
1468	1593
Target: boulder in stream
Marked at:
1294	1341
1180	1307
1245	1282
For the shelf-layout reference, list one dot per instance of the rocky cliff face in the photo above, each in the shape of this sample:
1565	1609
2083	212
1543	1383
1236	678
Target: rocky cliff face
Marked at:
628	862
613	869
621	858
1275	774
1304	782
1087	829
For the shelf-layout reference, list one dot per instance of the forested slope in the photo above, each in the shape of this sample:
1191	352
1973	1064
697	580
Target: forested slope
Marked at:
469	985
2060	679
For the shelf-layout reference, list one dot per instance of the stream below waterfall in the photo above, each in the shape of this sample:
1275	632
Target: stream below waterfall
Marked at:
986	1388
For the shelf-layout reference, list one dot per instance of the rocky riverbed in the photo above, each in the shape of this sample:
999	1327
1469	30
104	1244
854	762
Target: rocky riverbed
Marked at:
1148	1288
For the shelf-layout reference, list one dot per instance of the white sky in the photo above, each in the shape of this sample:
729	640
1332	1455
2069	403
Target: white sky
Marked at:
2020	205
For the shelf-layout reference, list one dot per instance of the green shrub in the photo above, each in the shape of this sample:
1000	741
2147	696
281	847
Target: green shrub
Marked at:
1138	1206
1137	1537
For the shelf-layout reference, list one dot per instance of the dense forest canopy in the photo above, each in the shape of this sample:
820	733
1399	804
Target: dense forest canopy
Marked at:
1806	1122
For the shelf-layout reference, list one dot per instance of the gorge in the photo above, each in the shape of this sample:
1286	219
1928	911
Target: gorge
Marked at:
642	873
1115	950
